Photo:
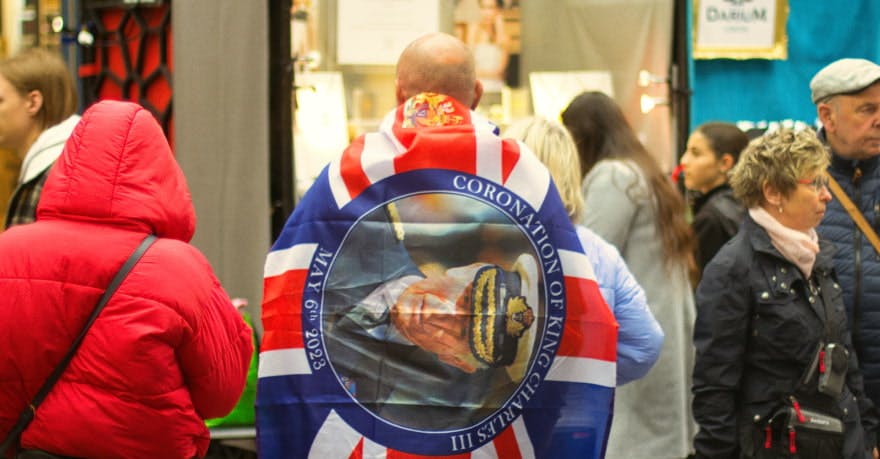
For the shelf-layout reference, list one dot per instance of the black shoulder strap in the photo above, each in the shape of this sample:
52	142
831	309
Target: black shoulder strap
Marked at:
28	414
832	332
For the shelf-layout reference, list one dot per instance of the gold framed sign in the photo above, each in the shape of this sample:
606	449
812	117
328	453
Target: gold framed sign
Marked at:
740	29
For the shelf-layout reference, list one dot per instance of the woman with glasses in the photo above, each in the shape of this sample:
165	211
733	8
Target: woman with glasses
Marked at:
771	332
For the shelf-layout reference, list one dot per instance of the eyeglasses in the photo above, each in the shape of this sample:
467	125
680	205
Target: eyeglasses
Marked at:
818	183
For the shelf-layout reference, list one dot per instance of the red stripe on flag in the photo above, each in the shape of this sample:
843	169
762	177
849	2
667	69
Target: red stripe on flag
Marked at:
392	454
590	329
351	170
461	155
509	158
506	445
282	310
358	452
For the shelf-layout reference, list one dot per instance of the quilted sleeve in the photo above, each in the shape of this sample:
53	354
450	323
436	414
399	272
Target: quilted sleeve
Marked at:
639	336
215	360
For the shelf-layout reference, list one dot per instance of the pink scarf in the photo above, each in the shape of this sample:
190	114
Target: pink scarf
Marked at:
796	246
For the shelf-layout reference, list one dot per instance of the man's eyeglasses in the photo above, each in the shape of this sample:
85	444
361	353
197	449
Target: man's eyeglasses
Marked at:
818	183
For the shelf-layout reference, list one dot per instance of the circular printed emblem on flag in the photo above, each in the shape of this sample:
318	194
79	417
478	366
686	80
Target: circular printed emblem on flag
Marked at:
439	316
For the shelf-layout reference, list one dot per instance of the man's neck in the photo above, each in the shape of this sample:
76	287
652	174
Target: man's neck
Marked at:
845	153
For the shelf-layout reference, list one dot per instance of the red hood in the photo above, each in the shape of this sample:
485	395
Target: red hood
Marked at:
118	169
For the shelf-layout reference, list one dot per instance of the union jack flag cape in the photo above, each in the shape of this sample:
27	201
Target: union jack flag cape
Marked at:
337	376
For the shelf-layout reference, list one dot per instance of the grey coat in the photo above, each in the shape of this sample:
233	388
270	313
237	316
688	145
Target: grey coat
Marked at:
652	416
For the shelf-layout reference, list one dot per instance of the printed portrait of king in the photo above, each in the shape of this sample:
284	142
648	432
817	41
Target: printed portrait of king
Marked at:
432	325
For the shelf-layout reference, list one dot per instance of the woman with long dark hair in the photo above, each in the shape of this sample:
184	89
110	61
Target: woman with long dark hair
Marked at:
712	150
631	203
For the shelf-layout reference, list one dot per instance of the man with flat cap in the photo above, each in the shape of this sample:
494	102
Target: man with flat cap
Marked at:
847	97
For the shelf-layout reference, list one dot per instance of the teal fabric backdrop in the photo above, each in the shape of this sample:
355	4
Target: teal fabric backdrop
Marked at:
819	32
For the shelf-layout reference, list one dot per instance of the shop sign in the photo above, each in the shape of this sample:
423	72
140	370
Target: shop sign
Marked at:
740	29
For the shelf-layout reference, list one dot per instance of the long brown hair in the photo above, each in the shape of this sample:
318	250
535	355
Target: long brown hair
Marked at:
601	131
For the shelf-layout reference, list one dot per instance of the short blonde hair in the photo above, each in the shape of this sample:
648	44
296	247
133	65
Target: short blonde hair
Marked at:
553	145
780	159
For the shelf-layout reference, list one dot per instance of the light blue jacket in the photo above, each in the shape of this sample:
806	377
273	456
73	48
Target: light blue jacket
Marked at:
639	337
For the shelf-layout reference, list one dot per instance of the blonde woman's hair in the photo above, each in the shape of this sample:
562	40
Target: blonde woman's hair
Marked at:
553	145
37	69
780	159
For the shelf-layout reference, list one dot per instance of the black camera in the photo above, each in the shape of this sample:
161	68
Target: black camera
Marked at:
833	363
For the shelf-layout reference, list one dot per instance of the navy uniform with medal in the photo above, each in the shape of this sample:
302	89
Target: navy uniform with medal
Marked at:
390	375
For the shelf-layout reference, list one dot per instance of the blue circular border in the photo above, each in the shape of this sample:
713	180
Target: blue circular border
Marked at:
325	384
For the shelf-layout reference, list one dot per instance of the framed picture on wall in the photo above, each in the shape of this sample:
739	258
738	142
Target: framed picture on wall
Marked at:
740	29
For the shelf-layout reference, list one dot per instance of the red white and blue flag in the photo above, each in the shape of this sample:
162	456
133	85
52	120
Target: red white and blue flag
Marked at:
458	190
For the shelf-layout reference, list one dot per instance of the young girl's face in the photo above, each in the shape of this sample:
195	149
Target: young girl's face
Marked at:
703	168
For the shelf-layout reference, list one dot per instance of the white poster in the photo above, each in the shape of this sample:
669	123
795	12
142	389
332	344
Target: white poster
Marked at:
321	126
727	23
740	28
374	32
552	91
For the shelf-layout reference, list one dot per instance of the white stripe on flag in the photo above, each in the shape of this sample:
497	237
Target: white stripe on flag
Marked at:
529	178
297	257
372	450
377	158
575	264
335	439
282	362
387	127
583	370
489	157
486	451
337	186
522	437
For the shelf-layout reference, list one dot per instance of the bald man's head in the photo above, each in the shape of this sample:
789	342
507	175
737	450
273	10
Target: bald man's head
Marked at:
439	63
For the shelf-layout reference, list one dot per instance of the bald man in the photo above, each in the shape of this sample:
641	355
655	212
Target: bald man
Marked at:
438	63
426	294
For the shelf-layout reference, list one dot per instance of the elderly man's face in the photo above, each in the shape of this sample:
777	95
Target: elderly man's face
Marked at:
852	123
433	314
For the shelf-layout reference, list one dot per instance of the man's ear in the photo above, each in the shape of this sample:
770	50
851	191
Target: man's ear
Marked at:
478	94
826	115
34	102
398	93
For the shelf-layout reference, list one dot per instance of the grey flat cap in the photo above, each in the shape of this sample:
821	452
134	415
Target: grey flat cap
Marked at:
843	76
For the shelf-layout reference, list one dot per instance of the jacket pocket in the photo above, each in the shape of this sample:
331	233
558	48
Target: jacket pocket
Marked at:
783	325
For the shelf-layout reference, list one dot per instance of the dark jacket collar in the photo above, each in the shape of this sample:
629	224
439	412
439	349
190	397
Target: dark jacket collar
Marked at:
760	241
700	200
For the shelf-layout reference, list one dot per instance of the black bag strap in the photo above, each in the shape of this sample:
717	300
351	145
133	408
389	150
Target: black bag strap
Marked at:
27	415
821	280
832	332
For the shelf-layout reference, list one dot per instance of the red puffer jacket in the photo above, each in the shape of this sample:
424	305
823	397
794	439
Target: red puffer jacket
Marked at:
168	350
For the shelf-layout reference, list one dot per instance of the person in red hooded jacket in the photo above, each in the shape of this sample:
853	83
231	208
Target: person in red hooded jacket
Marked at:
168	350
